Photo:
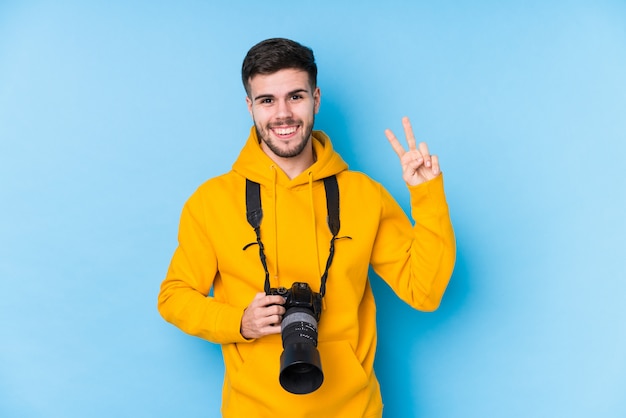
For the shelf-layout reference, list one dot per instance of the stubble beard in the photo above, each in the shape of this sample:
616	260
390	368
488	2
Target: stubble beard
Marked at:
282	152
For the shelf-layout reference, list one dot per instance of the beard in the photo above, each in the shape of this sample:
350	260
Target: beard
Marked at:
265	136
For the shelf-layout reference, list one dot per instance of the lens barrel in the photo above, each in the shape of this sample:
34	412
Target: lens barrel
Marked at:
300	363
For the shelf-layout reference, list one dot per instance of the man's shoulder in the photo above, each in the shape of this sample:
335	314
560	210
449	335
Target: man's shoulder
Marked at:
357	178
219	186
225	180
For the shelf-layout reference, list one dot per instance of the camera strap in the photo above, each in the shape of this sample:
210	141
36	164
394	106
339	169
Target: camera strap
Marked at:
254	214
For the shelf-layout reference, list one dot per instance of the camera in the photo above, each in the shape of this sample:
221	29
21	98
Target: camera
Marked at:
300	364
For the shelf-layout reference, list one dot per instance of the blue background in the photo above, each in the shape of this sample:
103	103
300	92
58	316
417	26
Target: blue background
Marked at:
113	112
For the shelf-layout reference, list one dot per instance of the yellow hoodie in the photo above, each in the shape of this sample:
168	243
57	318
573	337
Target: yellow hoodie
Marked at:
416	261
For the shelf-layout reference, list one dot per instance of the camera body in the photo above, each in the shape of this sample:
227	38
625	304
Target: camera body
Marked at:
301	296
300	362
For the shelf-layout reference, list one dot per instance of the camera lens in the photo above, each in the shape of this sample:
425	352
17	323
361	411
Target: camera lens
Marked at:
300	364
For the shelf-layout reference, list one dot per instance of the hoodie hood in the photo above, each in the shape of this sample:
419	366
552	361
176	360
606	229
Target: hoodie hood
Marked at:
255	165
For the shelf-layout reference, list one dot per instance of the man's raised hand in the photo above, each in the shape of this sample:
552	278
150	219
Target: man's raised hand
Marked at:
418	166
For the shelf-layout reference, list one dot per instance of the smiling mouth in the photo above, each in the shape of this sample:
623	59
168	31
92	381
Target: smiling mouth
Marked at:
285	131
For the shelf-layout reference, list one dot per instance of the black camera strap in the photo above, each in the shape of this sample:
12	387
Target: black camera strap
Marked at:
254	214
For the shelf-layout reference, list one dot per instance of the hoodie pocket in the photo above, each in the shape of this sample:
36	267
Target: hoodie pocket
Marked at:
345	380
257	377
345	387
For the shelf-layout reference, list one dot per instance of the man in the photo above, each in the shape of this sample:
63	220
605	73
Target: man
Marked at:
220	249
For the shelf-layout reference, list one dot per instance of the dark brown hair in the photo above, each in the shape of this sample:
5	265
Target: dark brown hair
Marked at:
272	55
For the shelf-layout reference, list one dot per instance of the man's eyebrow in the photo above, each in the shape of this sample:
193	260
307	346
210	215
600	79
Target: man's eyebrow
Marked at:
291	93
264	96
271	96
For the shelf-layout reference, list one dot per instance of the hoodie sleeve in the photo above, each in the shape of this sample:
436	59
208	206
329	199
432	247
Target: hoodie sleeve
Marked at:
417	262
184	296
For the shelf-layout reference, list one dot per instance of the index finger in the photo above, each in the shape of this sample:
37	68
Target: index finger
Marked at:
274	300
261	299
395	144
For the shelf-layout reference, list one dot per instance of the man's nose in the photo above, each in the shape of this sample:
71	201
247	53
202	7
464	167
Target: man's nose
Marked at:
283	109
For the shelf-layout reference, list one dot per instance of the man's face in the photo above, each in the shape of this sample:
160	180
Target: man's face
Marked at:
283	107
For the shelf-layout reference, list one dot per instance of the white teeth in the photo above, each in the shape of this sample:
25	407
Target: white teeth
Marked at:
284	131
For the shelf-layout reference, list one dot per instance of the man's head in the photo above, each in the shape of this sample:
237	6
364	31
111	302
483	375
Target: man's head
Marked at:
282	97
272	55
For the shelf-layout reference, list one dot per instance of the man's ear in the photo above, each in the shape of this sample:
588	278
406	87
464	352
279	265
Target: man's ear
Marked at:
317	97
249	103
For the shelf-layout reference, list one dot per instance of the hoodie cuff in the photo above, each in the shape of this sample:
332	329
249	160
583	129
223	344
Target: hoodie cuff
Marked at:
428	199
229	320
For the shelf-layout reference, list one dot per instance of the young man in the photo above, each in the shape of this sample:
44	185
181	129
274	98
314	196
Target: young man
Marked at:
220	249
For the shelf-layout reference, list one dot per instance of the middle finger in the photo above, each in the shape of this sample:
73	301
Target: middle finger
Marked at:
408	131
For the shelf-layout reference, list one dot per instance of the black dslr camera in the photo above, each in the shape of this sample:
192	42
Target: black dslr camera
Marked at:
300	364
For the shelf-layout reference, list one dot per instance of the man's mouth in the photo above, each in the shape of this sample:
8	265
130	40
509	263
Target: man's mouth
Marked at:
284	131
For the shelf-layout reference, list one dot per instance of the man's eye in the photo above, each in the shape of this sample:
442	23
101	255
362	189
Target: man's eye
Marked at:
266	101
296	97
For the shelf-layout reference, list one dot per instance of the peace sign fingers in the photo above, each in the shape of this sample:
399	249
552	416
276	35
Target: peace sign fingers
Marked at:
418	165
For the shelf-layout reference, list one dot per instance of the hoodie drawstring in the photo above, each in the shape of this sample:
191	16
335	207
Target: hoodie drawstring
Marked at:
254	215
313	226
274	181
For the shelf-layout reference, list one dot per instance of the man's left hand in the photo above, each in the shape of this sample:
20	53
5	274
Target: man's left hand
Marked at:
418	166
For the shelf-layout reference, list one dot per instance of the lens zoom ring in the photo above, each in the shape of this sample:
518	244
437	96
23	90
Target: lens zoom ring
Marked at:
298	317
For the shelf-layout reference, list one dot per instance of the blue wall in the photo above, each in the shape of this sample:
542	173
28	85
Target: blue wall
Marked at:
113	112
